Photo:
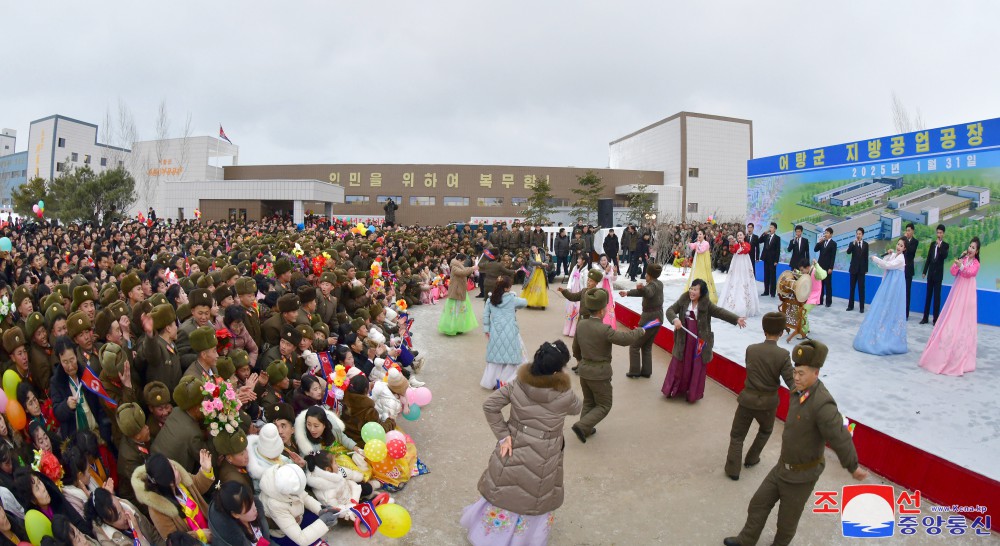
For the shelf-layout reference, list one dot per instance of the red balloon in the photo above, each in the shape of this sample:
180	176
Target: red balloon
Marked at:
396	448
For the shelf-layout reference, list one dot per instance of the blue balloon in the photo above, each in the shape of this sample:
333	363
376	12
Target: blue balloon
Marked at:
371	229
301	226
414	413
5	244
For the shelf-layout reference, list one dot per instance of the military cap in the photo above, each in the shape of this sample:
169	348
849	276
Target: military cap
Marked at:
240	358
357	290
188	392
810	353
205	281
282	266
183	312
64	291
321	327
157	299
654	270
229	272
117	310
374	310
113	359
77	323
82	294
199	297
52	298
221	293
13	338
341	276
276	372
21	293
53	313
216	277
117	270
202	339
773	323
186	284
278	411
102	324
129	282
204	264
230	443
595	275
33	323
305	331
363	313
291	334
131	418
155	393
306	294
225	366
221	262
246	285
356	324
328	276
109	295
343	317
595	300
288	303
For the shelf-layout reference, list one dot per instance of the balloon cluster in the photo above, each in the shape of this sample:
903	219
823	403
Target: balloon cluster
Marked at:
361	229
197	214
39	208
417	397
8	401
711	219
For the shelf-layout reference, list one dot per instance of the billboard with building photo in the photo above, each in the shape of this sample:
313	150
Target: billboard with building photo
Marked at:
948	175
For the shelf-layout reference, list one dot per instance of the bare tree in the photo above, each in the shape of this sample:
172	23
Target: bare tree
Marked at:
902	120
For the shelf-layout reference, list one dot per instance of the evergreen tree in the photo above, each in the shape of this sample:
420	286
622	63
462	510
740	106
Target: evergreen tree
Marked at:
591	189
540	203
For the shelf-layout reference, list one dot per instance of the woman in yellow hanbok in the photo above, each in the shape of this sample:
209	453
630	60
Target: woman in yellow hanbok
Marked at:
536	290
702	268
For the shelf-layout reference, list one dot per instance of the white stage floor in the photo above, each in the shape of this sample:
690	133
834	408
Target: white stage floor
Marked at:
956	418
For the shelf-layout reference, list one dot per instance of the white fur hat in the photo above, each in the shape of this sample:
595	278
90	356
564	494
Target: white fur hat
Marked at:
376	336
353	371
269	442
289	479
390	315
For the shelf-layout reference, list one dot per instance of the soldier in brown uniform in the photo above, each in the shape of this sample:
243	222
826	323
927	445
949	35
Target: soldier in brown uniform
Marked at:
232	448
41	359
767	364
157	398
117	378
133	448
182	437
246	292
641	352
288	313
158	351
594	353
813	421
594	277
326	301
201	302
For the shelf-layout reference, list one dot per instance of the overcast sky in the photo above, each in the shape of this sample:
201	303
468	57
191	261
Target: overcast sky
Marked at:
546	83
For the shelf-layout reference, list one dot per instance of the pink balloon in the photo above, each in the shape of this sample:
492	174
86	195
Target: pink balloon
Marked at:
421	396
34	208
410	394
3	401
408	439
392	435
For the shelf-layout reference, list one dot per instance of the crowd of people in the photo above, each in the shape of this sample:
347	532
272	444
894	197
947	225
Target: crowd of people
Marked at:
210	383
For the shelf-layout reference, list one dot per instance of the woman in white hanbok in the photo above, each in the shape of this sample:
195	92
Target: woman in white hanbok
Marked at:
739	295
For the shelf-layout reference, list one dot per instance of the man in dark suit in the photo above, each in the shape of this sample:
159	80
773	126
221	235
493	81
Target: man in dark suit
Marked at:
769	253
909	255
827	256
937	255
754	241
858	250
799	247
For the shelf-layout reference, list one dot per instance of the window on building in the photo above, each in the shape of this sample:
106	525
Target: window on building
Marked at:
383	198
104	162
693	172
557	202
456	201
417	201
519	201
692	207
355	199
86	159
121	164
73	157
60	167
489	201
61	143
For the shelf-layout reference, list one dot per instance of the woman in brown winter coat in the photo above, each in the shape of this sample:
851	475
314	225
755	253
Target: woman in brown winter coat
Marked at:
523	484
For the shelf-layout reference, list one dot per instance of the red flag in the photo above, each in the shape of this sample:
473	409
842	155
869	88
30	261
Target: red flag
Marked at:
93	384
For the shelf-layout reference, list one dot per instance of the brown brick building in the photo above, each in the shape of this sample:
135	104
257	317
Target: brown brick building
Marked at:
439	194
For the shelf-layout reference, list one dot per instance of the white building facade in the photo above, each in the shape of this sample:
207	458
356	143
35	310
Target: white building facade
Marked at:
156	163
703	159
57	144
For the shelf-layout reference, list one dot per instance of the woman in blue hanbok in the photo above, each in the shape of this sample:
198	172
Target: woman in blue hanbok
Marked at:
883	331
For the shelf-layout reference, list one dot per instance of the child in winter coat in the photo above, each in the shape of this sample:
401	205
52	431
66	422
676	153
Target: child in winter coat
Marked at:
337	486
390	396
299	519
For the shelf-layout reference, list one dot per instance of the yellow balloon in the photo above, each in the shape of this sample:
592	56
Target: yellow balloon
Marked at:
396	520
375	450
10	382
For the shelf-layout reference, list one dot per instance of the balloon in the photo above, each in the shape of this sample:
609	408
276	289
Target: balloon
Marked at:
3	401
375	451
34	208
394	435
396	520
38	526
15	415
372	431
41	204
371	229
408	439
396	448
413	414
421	396
5	244
10	382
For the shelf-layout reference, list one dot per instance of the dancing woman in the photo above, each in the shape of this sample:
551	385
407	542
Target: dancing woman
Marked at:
740	293
608	284
457	317
951	349
536	289
504	347
702	268
883	331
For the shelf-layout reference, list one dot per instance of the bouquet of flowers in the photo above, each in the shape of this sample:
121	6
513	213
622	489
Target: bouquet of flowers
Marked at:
47	463
221	407
6	307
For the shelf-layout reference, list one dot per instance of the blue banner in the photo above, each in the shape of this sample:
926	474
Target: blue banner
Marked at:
960	138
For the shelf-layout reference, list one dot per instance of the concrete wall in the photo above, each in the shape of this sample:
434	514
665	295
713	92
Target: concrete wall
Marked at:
44	152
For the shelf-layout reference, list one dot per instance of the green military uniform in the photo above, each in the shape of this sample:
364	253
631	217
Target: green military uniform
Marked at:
113	359
594	353
232	444
246	285
155	394
131	454
767	364
271	328
597	277
198	298
182	438
41	360
163	361
490	270
202	339
326	307
641	352
813	421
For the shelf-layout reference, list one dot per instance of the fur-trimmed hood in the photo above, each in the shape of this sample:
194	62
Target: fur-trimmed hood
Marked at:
155	500
307	446
559	381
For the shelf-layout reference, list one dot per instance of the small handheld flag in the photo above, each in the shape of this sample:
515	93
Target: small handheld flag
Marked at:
92	383
652	324
488	254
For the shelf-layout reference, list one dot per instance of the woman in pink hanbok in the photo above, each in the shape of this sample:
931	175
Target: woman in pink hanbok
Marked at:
608	284
951	349
577	280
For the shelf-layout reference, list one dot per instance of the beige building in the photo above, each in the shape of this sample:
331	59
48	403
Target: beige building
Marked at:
439	194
